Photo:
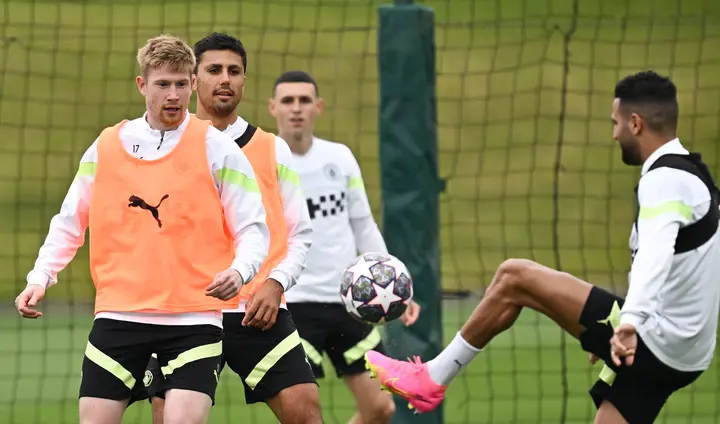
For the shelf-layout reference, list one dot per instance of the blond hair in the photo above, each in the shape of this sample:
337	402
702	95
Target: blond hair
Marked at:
166	50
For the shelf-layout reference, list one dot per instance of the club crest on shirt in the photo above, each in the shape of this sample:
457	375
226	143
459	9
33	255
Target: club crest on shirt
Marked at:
332	171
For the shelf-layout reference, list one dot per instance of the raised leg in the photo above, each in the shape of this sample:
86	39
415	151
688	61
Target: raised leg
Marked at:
518	283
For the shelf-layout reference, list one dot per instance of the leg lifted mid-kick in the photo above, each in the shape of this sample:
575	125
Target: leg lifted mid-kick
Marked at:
517	283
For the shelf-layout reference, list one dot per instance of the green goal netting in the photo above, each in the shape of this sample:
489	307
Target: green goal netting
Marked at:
524	94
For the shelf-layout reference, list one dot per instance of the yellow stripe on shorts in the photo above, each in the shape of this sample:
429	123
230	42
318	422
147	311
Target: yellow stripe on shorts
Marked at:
359	350
312	354
271	359
613	320
110	365
192	355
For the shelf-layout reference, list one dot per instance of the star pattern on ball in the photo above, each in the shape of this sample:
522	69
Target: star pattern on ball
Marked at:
362	269
348	298
384	296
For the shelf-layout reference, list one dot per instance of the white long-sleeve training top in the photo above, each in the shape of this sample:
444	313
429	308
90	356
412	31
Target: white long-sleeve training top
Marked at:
244	213
342	221
673	300
295	212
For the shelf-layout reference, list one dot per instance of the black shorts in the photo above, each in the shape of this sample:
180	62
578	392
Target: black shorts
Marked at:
640	391
327	327
117	354
266	361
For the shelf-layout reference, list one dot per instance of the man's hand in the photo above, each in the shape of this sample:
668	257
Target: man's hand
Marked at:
27	300
623	344
411	314
226	285
262	307
592	358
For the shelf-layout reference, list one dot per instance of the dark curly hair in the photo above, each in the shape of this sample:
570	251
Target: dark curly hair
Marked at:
652	96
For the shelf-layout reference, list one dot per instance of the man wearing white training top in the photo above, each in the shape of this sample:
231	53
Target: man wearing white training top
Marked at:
343	225
659	339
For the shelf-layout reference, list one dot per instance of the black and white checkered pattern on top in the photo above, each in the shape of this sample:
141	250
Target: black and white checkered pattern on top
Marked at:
327	205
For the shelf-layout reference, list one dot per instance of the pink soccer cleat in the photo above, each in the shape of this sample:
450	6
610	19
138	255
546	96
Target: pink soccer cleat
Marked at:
410	380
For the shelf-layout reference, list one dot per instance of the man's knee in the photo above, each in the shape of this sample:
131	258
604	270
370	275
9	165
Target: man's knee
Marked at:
515	274
298	404
381	410
186	407
101	411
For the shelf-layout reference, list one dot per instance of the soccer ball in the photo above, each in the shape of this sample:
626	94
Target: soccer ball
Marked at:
376	288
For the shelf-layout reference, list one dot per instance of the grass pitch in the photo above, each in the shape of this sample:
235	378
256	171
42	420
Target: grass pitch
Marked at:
524	140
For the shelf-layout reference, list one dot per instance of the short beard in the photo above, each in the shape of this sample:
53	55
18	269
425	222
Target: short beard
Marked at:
223	110
631	156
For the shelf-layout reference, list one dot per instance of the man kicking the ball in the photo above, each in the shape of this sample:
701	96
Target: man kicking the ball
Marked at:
657	340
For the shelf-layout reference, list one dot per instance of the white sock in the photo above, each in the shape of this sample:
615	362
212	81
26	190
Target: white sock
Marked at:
451	360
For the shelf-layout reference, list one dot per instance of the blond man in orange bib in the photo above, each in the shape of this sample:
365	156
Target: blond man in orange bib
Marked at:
261	345
177	226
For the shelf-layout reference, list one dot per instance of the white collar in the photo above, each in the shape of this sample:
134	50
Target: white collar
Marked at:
672	146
